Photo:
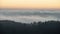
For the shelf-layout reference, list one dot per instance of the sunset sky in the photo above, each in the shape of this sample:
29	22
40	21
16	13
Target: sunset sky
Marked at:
38	4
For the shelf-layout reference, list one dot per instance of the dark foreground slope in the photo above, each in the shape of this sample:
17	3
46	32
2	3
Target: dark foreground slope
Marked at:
11	27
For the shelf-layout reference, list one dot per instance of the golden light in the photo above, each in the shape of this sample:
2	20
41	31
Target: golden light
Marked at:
30	4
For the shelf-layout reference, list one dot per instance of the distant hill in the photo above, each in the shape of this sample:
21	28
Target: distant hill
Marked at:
12	27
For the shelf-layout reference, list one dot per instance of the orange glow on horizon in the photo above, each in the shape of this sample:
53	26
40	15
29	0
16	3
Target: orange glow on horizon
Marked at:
30	4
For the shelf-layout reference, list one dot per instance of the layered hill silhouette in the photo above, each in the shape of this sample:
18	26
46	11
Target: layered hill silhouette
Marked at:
12	27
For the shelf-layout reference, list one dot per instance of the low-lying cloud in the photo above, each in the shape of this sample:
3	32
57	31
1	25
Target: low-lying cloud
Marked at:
29	15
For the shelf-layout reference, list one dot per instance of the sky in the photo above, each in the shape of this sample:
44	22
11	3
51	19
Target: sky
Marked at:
29	15
33	4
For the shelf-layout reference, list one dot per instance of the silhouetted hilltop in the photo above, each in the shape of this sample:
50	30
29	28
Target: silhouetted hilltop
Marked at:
6	21
12	27
10	21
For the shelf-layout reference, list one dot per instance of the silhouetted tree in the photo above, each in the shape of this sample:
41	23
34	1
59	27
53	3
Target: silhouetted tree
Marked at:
11	27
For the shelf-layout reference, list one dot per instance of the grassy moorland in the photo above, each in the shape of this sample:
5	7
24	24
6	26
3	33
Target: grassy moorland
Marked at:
12	27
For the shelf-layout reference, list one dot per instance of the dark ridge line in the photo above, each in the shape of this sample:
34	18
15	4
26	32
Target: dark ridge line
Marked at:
28	23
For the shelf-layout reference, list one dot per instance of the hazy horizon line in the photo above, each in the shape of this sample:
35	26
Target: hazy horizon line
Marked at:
30	8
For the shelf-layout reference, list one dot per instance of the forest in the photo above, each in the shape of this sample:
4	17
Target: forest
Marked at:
12	27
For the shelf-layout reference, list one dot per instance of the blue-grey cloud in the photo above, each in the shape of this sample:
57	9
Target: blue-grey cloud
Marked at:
29	15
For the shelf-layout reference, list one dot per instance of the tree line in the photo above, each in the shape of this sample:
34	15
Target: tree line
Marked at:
12	27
